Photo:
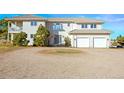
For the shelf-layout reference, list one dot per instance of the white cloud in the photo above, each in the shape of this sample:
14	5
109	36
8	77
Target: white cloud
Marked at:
110	18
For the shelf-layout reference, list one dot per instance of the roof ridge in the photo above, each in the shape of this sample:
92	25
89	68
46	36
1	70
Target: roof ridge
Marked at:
59	19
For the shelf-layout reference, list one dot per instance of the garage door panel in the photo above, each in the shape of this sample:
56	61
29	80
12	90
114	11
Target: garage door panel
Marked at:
83	42
100	42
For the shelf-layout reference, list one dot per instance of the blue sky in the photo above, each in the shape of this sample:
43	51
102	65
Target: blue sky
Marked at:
113	22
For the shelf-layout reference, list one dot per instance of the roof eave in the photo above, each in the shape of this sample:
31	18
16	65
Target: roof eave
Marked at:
90	22
11	19
90	33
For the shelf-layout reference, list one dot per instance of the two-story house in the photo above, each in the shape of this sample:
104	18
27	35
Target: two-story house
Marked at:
83	32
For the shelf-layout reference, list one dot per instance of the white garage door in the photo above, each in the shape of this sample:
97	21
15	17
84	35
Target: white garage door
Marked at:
100	42
83	42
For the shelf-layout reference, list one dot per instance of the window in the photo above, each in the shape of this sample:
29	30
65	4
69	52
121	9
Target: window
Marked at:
93	25
68	24
60	39
57	23
32	35
33	23
56	39
57	26
84	26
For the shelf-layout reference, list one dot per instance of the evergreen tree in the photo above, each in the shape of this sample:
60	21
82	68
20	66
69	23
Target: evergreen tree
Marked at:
3	29
120	40
67	41
41	37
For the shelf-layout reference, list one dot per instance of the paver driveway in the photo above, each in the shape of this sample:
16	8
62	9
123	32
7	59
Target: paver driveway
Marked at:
91	63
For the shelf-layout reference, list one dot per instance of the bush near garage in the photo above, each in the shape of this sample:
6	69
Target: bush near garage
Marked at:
67	42
120	40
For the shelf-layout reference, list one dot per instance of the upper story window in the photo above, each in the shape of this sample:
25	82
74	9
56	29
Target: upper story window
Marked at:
83	25
33	23
56	23
93	25
68	24
57	26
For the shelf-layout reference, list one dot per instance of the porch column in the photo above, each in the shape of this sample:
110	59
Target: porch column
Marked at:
8	37
15	23
92	42
8	32
73	41
11	37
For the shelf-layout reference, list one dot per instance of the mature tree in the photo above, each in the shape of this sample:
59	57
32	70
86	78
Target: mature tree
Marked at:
3	29
20	39
41	37
67	41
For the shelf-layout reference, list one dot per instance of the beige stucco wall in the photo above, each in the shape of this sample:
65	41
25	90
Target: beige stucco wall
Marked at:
66	31
27	28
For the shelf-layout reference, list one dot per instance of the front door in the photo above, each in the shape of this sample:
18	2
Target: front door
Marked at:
56	39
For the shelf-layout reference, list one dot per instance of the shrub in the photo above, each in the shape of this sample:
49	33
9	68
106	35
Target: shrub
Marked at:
67	41
114	43
41	37
120	40
20	39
